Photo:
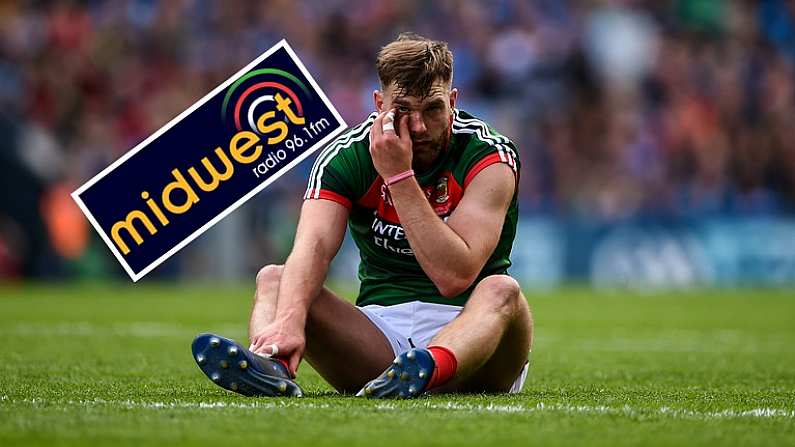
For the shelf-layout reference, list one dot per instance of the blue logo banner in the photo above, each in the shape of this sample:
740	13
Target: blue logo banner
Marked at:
209	160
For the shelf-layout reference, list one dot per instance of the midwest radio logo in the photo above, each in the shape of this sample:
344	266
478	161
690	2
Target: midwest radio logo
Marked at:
203	164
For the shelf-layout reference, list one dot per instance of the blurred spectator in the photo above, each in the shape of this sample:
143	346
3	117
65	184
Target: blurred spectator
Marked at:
620	108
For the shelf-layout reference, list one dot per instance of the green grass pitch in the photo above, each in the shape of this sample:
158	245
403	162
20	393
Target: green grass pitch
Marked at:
111	365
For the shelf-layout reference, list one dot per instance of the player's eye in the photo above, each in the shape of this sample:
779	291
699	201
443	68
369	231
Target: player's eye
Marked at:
403	109
433	111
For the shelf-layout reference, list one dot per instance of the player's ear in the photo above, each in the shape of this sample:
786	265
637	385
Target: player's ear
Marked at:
453	97
378	100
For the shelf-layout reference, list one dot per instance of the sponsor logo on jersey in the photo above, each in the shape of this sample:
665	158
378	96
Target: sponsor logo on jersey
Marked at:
390	237
202	165
443	195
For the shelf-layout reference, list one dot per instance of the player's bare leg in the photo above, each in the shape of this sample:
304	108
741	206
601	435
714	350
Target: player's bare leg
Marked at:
342	344
491	338
265	295
482	350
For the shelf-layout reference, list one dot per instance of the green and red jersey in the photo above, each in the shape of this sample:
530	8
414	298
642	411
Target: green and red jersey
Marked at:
388	271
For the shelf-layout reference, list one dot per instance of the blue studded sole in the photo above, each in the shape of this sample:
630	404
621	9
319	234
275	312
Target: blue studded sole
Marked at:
237	369
406	377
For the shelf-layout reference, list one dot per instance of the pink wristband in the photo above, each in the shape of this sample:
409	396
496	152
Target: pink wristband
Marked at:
398	177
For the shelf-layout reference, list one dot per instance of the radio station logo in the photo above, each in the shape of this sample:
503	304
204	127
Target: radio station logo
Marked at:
267	104
198	168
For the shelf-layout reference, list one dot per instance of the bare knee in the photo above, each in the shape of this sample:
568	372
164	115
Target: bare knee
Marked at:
269	276
501	294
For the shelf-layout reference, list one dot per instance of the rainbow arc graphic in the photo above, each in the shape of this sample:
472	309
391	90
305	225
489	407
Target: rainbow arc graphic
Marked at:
270	84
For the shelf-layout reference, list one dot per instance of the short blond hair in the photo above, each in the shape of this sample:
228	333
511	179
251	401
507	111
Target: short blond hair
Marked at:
414	63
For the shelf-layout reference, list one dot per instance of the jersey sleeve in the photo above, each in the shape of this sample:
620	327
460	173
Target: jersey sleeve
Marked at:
329	183
485	148
338	170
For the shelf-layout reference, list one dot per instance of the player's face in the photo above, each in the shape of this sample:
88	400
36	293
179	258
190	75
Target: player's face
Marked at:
430	119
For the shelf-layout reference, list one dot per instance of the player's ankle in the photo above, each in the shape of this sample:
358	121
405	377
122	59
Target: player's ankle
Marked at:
445	366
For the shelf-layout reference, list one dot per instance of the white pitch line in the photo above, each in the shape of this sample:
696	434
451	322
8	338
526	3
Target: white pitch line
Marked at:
625	410
541	407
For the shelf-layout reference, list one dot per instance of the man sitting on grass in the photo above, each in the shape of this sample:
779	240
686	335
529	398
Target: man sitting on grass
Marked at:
429	193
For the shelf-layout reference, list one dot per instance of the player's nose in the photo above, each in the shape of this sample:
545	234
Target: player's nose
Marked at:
417	124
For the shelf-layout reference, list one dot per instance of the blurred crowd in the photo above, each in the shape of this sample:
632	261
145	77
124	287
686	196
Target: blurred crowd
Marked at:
621	109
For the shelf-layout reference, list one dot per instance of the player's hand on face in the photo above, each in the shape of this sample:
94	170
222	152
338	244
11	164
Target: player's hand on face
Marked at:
390	148
290	343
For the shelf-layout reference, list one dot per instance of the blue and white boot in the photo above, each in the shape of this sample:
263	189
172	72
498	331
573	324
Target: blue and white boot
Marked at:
406	377
235	368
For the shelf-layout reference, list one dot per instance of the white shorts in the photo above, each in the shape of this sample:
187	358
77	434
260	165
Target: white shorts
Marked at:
414	324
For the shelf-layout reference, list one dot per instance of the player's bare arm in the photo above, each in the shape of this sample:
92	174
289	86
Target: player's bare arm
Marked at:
321	229
452	253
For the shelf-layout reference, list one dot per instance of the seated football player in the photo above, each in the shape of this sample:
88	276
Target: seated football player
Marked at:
429	193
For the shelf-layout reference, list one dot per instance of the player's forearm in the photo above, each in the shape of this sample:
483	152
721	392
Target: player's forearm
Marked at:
301	282
440	251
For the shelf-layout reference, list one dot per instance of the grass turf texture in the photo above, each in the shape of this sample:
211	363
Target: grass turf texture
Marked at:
100	365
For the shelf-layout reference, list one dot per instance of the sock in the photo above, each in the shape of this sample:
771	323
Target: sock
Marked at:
446	365
283	362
